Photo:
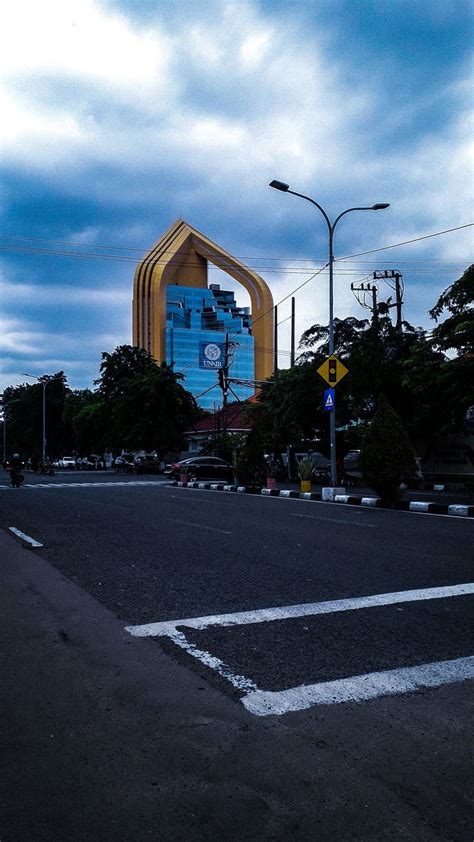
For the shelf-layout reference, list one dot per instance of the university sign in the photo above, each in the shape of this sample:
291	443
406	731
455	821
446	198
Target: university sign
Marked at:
211	355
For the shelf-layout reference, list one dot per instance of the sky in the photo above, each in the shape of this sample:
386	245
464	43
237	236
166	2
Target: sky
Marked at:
120	117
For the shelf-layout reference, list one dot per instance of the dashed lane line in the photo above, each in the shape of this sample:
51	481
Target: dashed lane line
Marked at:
202	526
26	538
356	688
333	520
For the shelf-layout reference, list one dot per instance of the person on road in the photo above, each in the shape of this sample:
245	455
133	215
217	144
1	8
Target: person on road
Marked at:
16	477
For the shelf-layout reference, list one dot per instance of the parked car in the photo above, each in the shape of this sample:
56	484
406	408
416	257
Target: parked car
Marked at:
66	462
201	467
124	463
146	463
352	467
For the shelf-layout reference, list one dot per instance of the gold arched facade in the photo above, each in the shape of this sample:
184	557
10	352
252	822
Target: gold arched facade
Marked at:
181	257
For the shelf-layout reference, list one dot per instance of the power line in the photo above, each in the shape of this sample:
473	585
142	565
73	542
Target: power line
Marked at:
407	242
129	258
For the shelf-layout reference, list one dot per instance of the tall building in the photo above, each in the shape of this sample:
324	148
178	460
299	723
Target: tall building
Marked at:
183	321
204	327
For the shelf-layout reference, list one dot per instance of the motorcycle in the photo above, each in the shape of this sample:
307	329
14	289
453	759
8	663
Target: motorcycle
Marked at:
16	477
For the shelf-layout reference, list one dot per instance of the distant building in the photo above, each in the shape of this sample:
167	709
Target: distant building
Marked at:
232	419
181	320
200	322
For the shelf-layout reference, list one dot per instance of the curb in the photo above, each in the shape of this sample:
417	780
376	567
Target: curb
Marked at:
434	508
418	506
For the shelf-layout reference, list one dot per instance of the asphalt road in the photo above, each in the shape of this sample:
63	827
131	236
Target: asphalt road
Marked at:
154	731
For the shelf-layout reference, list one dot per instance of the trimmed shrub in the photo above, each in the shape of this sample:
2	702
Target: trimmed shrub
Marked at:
387	456
251	467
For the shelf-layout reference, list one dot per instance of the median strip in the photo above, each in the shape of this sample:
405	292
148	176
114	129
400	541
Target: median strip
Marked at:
418	506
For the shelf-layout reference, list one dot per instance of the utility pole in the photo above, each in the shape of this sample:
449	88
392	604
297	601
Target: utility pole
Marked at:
292	357
398	302
4	419
361	292
275	342
224	373
389	274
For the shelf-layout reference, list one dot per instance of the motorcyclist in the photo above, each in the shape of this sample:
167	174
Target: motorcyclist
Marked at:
16	477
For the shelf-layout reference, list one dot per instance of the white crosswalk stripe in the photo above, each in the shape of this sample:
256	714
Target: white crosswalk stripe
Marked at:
110	484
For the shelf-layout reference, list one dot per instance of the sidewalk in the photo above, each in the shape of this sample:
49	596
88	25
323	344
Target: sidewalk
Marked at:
101	730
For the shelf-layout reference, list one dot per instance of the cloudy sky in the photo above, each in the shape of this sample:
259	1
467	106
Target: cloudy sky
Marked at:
120	116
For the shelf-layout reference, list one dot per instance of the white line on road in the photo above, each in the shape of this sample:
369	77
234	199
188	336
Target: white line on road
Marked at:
338	521
308	609
214	663
202	526
352	689
110	484
26	538
359	688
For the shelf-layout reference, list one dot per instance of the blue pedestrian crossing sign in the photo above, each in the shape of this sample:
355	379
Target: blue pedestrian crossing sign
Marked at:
329	399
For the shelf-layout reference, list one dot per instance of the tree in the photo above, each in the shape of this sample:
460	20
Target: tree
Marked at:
152	411
116	369
387	456
23	407
251	467
137	404
457	331
87	417
291	408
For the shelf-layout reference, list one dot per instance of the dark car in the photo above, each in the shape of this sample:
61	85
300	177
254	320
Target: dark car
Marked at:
146	463
201	467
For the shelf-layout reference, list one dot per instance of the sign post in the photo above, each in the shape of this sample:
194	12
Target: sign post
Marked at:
332	371
329	399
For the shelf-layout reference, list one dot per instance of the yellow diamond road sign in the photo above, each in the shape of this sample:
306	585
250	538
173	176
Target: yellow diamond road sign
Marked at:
332	370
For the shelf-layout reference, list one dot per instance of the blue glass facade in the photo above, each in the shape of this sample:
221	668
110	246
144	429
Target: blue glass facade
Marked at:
194	316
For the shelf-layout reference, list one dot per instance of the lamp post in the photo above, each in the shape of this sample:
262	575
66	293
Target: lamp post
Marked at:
285	188
44	383
4	419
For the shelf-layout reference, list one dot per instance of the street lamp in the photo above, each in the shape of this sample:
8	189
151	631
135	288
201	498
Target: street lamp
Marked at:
44	383
285	188
4	419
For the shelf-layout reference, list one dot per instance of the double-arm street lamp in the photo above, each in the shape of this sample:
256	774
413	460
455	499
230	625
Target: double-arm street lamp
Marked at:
280	185
44	383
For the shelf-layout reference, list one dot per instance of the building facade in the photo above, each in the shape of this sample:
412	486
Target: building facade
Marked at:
176	314
204	327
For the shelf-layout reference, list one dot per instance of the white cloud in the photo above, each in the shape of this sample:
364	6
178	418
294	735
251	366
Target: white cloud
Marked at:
200	112
79	39
41	295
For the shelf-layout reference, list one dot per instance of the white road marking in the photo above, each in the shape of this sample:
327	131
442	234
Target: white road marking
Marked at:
356	688
26	538
337	520
110	484
308	609
214	663
359	688
202	526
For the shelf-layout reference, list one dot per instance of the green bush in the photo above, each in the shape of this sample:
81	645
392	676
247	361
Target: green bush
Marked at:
387	456
251	467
